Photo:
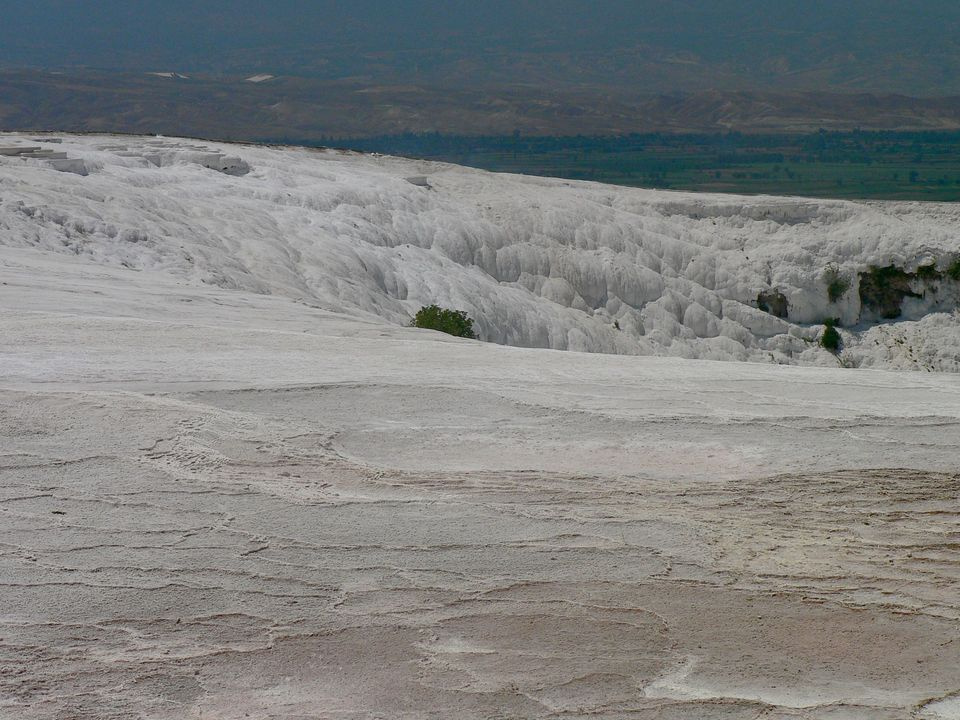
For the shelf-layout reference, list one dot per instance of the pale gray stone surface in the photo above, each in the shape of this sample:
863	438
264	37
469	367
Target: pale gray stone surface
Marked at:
218	505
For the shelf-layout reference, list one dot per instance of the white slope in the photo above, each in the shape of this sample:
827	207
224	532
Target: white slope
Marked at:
223	504
536	262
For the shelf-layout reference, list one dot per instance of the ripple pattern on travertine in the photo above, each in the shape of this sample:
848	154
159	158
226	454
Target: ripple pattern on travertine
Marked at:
205	560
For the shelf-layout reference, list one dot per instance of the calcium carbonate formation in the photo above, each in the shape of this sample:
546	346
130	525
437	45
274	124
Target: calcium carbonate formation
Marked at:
536	262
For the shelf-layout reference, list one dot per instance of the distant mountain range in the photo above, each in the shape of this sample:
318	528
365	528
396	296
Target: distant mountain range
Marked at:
238	69
641	46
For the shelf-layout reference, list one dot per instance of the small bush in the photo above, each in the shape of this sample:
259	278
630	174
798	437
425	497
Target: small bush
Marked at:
928	272
837	283
452	322
953	270
847	362
830	340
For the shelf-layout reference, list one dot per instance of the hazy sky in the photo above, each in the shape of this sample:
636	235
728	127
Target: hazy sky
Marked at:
330	35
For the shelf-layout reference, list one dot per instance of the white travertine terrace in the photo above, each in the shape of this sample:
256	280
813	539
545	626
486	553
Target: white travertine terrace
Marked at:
537	262
231	487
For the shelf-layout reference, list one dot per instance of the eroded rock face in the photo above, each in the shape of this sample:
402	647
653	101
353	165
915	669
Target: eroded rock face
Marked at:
773	302
882	290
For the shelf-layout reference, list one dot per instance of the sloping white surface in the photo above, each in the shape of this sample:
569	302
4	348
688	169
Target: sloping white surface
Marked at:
218	504
536	262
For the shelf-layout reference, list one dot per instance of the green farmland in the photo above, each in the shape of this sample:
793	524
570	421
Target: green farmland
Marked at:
855	165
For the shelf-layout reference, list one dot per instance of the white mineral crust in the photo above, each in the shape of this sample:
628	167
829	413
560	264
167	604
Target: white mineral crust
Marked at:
232	484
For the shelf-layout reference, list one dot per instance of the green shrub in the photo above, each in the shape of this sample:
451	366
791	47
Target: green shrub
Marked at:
928	272
830	340
837	283
452	322
953	270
